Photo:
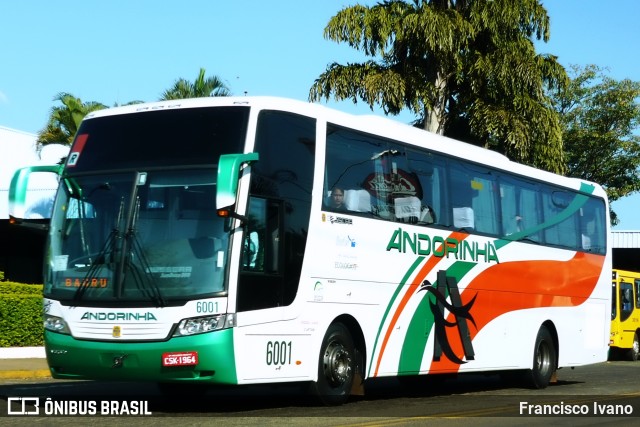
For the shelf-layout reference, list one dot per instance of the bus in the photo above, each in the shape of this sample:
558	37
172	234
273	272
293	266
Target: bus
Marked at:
197	242
625	315
21	254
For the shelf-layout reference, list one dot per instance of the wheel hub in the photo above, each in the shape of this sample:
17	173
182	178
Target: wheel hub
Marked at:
337	364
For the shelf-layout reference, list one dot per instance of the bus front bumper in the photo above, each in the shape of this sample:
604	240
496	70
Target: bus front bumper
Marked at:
69	358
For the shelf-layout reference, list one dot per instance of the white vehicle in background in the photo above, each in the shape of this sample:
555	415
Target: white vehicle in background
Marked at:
22	249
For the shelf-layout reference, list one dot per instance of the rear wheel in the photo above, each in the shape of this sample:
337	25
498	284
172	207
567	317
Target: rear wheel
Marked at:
336	366
544	360
634	352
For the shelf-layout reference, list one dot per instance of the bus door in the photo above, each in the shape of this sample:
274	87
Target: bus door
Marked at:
275	229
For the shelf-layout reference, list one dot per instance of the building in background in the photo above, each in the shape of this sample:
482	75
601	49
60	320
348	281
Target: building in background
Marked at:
626	249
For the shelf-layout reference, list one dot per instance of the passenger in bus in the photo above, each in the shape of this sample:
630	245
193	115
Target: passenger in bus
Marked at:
336	200
589	234
626	300
251	247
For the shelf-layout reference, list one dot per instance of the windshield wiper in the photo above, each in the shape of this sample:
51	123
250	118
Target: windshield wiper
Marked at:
141	274
122	250
109	247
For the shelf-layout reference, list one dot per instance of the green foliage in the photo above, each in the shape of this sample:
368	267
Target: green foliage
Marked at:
20	315
65	119
201	87
7	288
467	69
599	117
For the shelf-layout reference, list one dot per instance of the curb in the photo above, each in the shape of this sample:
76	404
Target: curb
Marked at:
13	360
24	374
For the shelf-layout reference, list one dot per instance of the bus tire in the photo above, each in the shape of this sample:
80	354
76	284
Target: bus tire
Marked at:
544	360
336	366
634	352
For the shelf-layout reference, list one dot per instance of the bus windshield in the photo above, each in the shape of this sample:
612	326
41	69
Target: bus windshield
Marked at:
136	237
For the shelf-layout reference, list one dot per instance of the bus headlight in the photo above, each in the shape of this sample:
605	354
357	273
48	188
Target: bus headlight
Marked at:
56	324
200	325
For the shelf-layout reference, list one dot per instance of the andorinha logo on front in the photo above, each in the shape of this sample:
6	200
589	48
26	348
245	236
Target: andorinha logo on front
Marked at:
118	316
424	244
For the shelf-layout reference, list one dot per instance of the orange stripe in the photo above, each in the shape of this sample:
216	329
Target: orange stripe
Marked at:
432	261
519	285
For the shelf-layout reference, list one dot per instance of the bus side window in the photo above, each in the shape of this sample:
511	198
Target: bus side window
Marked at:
428	170
474	199
564	233
253	243
626	300
637	285
508	207
461	196
591	219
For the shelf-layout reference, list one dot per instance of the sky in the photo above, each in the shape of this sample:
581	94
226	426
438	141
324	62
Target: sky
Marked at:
119	51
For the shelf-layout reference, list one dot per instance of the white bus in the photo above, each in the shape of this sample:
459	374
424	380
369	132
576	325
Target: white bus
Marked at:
22	248
197	242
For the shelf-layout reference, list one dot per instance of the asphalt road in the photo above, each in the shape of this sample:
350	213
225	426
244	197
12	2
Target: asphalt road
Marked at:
607	393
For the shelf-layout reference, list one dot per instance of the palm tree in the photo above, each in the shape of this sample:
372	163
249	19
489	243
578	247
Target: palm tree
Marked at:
64	120
465	68
201	87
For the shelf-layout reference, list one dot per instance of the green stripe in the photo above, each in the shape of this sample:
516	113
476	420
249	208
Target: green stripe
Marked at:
408	274
415	341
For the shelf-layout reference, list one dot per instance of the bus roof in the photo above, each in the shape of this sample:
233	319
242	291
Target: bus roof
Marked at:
381	126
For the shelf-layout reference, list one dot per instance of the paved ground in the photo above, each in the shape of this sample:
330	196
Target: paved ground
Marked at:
23	362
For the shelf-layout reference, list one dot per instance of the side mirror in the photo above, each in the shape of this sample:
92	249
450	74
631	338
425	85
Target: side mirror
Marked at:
18	189
229	167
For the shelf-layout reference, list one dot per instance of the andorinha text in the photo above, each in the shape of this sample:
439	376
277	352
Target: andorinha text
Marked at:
423	244
88	315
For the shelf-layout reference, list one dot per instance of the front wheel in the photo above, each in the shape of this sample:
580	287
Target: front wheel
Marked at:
634	352
336	366
544	360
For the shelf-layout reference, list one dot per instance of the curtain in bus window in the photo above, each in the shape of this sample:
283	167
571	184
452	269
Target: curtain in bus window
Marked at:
508	206
519	206
461	195
484	205
592	221
561	232
550	211
428	170
474	199
437	205
529	211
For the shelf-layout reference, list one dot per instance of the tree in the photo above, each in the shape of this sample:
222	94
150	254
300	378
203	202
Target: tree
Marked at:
201	87
465	68
599	116
65	119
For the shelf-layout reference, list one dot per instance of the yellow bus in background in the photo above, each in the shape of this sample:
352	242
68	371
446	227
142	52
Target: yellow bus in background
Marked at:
625	315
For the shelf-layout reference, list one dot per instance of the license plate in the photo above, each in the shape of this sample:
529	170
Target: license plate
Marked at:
186	358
